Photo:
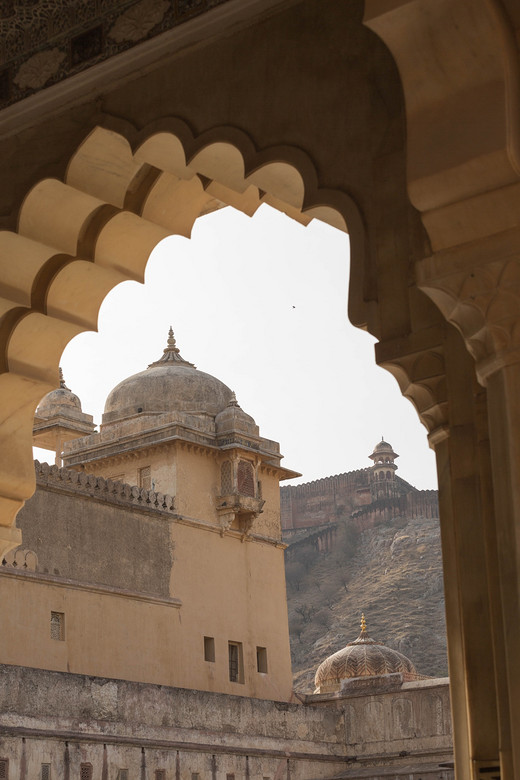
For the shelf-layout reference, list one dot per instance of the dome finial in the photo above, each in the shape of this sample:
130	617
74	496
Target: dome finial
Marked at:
233	400
63	386
363	623
171	353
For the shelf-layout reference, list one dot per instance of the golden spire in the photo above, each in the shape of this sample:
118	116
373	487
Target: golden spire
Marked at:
363	623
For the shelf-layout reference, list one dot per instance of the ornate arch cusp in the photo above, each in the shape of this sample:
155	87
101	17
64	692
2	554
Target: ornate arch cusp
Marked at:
78	238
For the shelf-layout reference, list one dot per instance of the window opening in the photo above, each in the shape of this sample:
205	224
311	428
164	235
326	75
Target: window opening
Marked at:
195	776
160	774
58	627
145	478
4	768
122	774
45	773
261	660
236	669
85	772
246	478
209	648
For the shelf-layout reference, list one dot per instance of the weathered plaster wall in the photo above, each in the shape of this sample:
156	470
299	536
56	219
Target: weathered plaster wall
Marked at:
80	533
114	724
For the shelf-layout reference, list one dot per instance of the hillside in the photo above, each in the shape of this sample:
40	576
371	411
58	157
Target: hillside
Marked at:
391	572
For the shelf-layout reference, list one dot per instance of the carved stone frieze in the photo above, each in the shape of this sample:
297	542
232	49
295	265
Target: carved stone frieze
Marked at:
43	42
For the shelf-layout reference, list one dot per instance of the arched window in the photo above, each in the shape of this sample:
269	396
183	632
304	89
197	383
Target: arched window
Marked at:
388	475
246	478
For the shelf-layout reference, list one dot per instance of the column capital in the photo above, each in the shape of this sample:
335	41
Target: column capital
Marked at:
477	288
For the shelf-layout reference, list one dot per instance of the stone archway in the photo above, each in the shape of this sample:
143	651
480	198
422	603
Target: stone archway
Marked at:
78	238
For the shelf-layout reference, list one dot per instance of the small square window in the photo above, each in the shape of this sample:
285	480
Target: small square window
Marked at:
236	663
209	649
85	772
122	774
261	660
160	774
45	773
58	627
4	768
195	776
230	776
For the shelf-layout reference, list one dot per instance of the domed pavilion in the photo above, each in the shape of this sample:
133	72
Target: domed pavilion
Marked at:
60	418
178	430
363	661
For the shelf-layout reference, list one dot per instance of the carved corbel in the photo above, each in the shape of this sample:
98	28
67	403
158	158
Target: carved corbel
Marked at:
243	508
477	289
417	363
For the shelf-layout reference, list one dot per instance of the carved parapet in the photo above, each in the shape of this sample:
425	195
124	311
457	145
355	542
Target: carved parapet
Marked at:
477	289
25	560
105	489
236	506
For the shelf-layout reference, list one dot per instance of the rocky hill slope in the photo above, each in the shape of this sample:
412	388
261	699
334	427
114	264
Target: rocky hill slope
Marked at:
392	573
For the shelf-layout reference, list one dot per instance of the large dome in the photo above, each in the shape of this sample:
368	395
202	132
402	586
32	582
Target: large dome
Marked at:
170	384
364	657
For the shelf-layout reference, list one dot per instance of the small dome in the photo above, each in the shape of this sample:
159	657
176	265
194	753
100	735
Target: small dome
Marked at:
364	657
170	384
57	402
233	419
383	445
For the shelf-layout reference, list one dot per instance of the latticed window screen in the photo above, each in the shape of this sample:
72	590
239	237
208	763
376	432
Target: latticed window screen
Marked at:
160	774
45	773
57	628
226	480
246	478
145	478
4	769
122	774
85	772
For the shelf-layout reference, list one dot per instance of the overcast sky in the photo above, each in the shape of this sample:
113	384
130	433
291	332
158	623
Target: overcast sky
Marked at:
260	303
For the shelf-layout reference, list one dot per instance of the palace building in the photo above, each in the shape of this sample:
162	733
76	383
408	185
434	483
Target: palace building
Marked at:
148	602
397	121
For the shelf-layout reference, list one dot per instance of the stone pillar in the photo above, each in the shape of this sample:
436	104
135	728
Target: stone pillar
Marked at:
477	288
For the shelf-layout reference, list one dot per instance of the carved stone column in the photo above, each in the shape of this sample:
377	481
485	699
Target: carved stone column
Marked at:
436	373
477	288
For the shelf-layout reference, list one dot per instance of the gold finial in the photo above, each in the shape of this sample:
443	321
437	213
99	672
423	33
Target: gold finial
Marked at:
363	623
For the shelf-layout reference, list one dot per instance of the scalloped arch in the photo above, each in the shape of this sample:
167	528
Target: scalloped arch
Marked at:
78	238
